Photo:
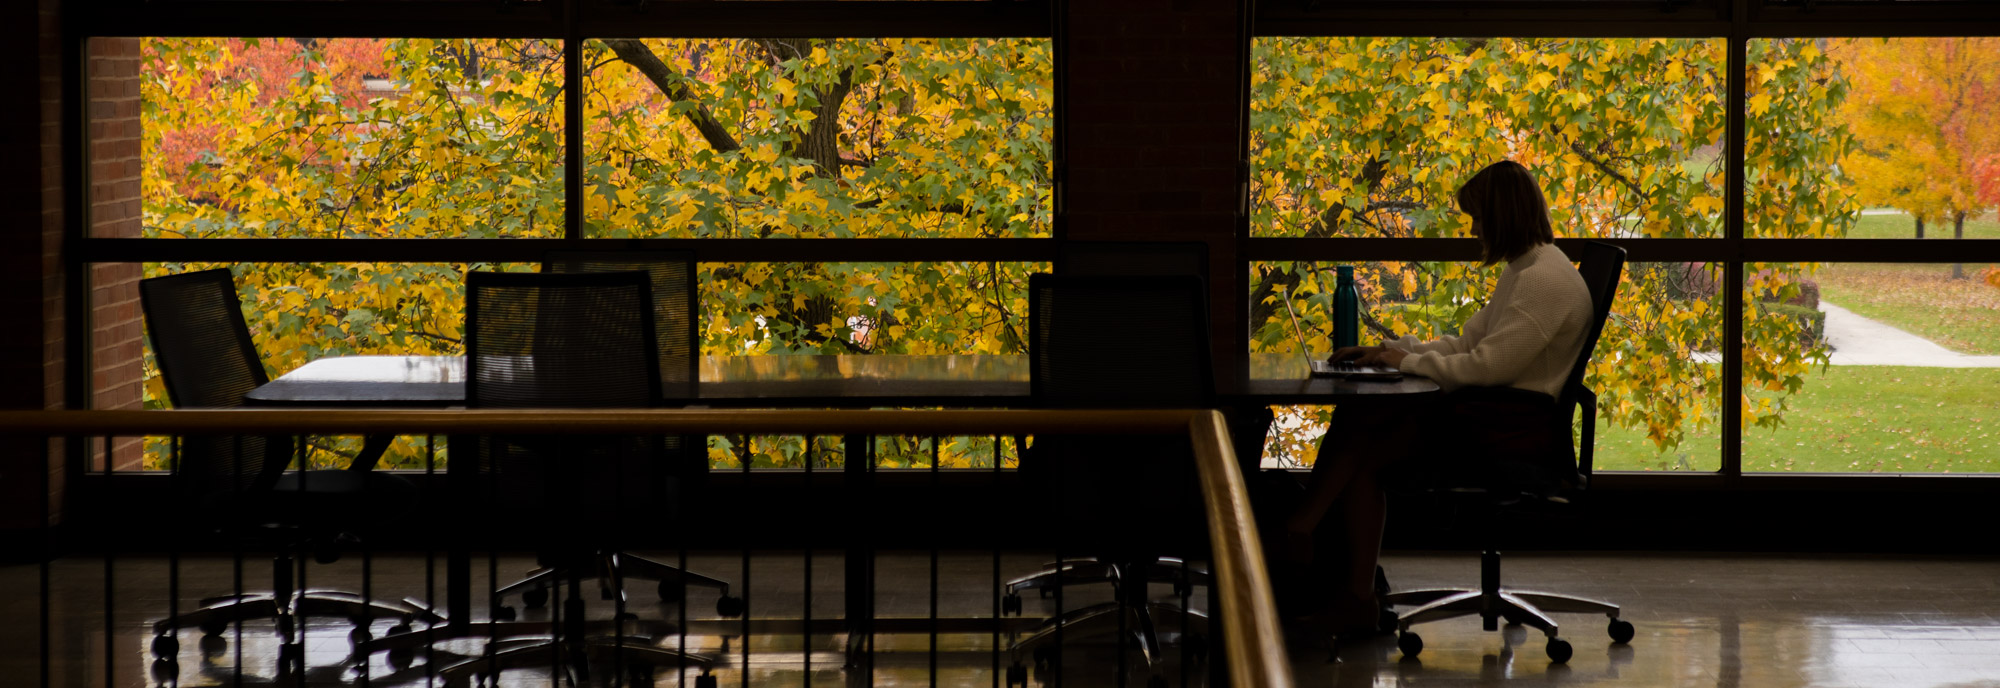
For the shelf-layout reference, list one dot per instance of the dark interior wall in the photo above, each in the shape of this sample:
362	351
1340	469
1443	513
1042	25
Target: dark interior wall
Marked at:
31	375
1151	110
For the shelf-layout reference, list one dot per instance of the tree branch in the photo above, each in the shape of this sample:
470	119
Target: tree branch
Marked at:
674	85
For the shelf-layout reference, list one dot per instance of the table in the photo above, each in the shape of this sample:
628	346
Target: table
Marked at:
807	380
970	380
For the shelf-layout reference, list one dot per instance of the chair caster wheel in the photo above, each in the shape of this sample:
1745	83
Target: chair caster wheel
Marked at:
1044	657
401	658
165	671
166	646
503	613
672	591
284	625
1559	650
534	598
705	681
326	555
359	636
730	607
1196	647
1017	675
212	645
1410	643
291	659
1010	605
213	628
1621	631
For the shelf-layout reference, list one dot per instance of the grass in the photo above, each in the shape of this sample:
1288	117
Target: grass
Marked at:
1958	314
1850	419
1899	226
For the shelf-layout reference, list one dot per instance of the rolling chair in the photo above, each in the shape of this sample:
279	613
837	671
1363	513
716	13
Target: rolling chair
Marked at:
1116	342
1492	496
239	484
548	340
1132	259
670	275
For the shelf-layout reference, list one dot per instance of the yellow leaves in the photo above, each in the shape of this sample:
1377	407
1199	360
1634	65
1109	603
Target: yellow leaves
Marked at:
1541	80
1706	204
786	88
1760	103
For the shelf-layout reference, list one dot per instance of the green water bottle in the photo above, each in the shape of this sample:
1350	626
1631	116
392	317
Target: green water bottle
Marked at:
1346	310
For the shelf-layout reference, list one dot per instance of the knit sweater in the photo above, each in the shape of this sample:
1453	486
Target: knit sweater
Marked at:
1527	336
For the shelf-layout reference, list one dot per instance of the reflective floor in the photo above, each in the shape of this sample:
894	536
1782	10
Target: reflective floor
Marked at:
1702	620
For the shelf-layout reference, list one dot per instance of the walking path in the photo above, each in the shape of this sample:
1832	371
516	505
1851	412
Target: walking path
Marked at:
1859	341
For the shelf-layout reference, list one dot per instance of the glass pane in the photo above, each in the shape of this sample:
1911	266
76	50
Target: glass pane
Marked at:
1872	138
345	137
1655	370
1371	137
779	138
1899	367
865	308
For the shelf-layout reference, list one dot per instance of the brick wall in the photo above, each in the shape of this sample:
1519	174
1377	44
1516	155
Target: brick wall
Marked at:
116	330
1151	106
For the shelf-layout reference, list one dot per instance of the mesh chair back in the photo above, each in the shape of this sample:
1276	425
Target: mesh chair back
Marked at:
1133	258
1601	267
565	341
675	305
1119	342
206	359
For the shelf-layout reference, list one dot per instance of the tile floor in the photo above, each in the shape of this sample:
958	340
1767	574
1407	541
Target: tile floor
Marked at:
1702	620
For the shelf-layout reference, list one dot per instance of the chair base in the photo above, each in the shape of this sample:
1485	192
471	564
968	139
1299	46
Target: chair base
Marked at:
1492	604
612	569
636	656
1095	570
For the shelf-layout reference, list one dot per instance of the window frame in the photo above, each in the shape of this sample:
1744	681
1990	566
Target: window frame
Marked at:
1736	21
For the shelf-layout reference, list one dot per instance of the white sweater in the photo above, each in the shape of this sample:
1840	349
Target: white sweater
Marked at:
1527	336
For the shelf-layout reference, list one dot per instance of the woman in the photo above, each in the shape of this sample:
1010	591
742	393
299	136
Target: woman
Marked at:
1500	378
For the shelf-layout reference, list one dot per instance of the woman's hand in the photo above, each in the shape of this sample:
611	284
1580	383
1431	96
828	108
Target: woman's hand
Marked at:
1354	352
1370	355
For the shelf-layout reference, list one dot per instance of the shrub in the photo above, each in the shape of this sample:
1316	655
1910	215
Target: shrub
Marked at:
1812	321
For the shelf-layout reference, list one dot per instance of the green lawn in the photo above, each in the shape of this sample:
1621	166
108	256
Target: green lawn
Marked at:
1959	314
1899	226
1851	419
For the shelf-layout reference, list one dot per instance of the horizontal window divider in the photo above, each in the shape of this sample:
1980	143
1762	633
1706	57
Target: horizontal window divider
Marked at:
1824	19
1349	249
532	250
692	19
1625	21
319	19
1871	250
818	19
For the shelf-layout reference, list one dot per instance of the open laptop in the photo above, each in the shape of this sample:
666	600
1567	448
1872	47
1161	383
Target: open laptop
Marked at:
1343	369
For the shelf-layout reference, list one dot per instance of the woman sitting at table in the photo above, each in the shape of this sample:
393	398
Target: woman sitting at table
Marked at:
1500	378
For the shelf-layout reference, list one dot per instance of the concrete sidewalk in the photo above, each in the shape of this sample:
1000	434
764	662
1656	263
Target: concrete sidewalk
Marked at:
1859	341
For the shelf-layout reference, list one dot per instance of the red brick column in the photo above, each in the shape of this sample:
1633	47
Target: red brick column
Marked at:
31	324
117	375
1152	104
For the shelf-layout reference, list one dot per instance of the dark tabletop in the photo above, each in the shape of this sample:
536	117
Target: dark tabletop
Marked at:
801	380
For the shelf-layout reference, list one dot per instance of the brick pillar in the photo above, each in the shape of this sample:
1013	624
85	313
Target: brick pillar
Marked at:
1152	103
117	375
31	323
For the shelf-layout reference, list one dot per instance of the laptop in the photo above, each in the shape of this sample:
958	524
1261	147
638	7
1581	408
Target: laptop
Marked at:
1343	369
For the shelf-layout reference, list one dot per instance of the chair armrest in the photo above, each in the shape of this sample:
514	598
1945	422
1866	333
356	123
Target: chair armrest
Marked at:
1588	443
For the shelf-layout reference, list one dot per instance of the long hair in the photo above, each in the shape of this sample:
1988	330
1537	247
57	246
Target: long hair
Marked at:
1508	204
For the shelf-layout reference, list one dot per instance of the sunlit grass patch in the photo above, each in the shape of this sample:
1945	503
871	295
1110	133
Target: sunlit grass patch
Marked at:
1851	419
1959	314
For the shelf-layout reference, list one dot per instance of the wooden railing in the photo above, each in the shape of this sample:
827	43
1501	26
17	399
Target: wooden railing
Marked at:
1253	643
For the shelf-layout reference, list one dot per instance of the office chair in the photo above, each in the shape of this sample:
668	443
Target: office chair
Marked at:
671	277
1117	342
238	484
536	341
1493	496
1135	259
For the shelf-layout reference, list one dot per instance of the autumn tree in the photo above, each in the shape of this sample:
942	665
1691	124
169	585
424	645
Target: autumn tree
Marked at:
1921	111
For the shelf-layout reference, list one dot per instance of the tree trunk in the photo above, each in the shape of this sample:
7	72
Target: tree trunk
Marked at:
1920	228
1958	232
